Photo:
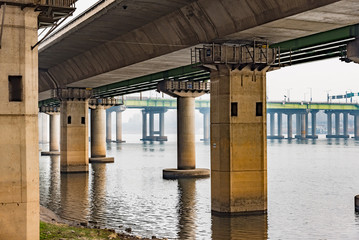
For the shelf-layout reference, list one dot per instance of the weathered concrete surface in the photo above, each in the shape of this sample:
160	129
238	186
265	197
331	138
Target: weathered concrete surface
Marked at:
74	136
173	173
238	143
19	164
119	49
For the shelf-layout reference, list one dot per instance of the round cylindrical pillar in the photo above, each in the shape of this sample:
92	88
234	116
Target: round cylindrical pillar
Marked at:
279	117
356	126
337	123
45	128
306	124
356	203
206	125
186	155
303	127
290	126
108	126
314	123
119	126
271	124
345	124
162	124
297	123
329	123
144	124
54	132
152	124
98	137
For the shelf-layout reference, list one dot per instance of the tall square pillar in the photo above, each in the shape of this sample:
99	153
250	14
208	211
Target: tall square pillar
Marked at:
19	164
238	141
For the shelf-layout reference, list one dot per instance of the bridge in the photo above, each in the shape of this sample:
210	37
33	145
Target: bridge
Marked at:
119	47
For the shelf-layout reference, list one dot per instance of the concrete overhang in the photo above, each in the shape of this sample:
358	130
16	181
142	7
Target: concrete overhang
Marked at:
118	40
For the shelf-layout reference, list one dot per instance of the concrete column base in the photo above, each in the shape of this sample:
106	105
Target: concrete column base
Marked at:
155	138
299	137
174	173
312	137
337	136
275	137
102	160
74	169
206	140
120	141
50	153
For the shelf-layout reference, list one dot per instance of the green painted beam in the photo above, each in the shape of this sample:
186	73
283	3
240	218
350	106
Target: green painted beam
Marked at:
338	34
167	103
313	106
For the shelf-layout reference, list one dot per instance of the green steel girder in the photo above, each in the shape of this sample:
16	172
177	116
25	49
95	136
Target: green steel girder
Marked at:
311	106
339	34
124	87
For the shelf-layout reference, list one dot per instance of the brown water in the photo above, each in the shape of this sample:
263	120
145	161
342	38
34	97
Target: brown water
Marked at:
311	186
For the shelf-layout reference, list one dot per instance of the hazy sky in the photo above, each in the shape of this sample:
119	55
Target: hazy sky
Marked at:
321	77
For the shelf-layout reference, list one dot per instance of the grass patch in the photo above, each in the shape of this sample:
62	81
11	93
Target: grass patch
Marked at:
50	231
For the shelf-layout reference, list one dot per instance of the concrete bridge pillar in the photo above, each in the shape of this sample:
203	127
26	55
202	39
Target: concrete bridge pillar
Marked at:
238	141
185	92
19	164
55	132
303	133
45	128
306	124
337	123
280	123
108	125
206	124
345	124
119	111
98	136
314	124
329	124
74	129
144	124
356	126
290	125
298	125
272	122
152	124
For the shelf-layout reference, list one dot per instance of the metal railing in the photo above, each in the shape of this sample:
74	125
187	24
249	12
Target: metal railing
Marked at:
56	3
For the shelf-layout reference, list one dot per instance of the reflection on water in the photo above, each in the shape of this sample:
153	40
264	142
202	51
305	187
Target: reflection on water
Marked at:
239	227
311	185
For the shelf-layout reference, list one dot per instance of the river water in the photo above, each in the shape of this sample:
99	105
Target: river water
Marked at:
311	187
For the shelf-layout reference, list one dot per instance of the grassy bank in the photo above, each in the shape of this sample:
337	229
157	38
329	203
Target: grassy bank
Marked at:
49	231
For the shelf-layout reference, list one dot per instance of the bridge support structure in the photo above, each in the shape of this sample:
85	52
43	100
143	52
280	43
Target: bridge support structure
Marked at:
356	124
272	125
152	135
74	129
206	124
108	125
238	126
119	110
289	125
337	124
43	128
54	113
98	129
185	92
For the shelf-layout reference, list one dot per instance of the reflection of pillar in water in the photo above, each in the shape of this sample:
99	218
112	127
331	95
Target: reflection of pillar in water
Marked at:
241	227
187	208
54	189
74	196
98	193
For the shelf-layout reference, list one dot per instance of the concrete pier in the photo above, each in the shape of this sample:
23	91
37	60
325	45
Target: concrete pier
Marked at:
152	135
271	121
98	136
298	125
356	126
45	128
119	111
186	154
74	129
337	123
206	124
19	181
314	125
345	125
108	125
54	134
303	133
329	124
290	125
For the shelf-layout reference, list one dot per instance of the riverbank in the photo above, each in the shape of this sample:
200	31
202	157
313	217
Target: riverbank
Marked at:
52	227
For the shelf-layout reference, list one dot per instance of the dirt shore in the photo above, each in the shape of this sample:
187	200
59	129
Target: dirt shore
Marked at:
48	216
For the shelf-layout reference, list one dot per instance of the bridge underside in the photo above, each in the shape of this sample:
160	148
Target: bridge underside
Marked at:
118	52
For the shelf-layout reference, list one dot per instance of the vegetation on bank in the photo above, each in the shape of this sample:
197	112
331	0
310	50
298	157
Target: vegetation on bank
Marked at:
49	231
